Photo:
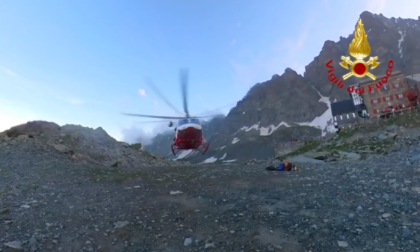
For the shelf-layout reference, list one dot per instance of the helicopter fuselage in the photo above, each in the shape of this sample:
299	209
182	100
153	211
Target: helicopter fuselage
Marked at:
189	136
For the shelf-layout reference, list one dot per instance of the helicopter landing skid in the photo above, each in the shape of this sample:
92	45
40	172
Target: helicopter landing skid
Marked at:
175	149
202	148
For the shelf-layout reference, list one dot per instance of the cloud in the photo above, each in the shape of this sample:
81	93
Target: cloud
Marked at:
303	37
139	134
233	42
402	8
8	71
142	92
376	6
327	6
44	90
71	100
76	101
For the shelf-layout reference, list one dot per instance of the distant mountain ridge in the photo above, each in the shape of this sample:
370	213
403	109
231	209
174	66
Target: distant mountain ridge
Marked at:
274	111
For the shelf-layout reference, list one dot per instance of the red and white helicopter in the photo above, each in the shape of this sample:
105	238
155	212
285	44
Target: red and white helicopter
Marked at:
188	130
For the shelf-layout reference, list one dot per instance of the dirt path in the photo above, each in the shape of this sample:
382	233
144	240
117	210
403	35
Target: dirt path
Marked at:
53	206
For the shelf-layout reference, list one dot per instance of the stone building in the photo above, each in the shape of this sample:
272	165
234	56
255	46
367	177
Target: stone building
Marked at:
347	113
391	95
344	114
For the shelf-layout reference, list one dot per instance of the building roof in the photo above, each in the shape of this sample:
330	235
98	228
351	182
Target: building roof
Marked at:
413	80
378	78
415	77
342	107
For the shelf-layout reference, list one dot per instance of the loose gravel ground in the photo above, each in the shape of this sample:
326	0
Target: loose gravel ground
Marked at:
49	204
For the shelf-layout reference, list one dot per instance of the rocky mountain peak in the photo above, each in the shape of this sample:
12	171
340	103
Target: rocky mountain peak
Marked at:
290	71
290	98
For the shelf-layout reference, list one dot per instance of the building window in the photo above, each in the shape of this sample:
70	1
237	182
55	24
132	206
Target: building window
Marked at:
348	116
375	111
354	115
335	118
389	103
385	87
357	99
375	101
396	85
341	117
387	98
373	91
400	96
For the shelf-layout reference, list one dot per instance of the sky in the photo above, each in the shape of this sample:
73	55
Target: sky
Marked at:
85	62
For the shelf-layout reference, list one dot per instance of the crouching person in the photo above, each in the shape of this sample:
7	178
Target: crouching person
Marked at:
283	166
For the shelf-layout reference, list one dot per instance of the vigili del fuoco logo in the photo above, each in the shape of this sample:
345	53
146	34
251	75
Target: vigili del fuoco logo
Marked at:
359	49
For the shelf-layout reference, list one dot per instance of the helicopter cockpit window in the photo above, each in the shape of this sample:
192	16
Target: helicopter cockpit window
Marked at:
182	122
195	121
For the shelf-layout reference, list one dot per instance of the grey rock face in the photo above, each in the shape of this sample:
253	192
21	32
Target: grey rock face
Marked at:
287	98
291	98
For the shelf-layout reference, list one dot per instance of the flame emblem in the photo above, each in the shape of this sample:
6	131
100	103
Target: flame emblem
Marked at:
359	49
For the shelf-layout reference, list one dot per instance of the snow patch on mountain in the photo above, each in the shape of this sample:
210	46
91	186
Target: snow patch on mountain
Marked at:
223	157
229	161
400	41
324	121
264	131
209	160
235	140
415	77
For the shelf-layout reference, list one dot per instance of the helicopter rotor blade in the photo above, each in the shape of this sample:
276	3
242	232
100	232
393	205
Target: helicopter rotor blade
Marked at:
184	90
161	121
157	91
153	116
216	110
163	117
